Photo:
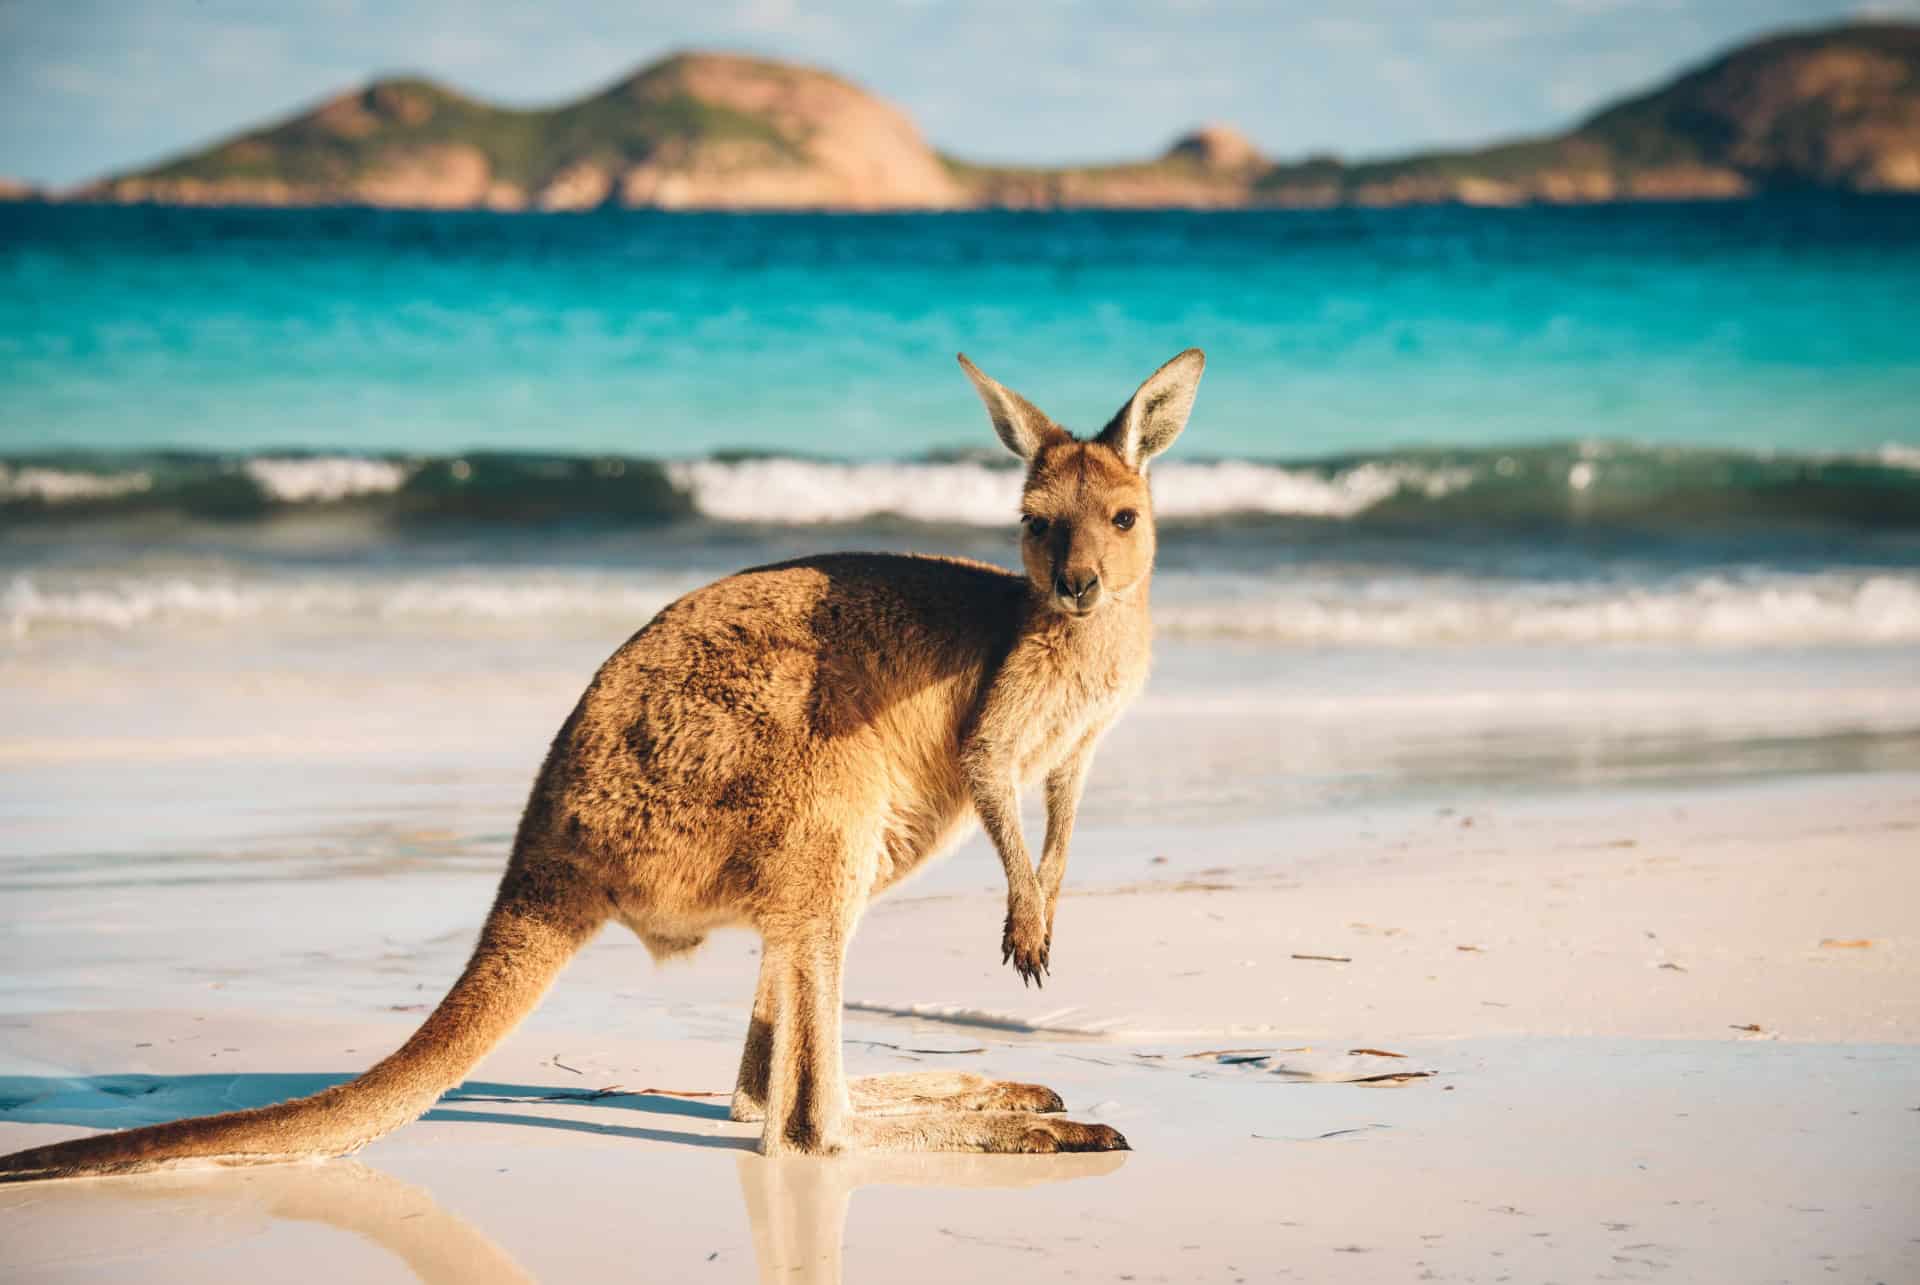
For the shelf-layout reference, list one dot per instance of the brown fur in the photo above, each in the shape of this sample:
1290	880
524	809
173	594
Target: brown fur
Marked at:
774	751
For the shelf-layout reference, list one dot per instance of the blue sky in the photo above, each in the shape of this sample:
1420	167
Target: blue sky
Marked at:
89	86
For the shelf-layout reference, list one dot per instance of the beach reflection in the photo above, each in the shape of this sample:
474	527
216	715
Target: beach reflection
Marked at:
155	1217
798	1206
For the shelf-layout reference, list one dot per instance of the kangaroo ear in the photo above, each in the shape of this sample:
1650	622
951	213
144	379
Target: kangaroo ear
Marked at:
1155	414
1022	426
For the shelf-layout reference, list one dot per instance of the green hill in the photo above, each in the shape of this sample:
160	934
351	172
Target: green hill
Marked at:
1834	108
693	129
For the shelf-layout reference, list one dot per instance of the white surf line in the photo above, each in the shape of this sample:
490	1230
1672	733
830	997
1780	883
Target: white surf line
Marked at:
1055	1022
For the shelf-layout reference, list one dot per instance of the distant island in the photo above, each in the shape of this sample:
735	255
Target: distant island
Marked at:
1837	108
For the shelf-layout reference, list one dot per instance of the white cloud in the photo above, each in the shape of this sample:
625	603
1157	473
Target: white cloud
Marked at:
459	51
72	78
254	51
780	18
1346	31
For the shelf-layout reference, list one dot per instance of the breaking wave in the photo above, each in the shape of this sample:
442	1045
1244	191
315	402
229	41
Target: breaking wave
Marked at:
1566	484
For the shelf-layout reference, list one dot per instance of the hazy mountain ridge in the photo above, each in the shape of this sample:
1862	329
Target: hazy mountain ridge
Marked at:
1835	108
692	130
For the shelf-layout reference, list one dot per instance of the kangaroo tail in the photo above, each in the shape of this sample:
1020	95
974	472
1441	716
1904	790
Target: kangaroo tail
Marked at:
528	938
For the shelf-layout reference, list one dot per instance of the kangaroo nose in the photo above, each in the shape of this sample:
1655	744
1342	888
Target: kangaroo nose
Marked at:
1075	584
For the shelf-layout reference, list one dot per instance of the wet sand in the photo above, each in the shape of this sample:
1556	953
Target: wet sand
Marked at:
1642	1034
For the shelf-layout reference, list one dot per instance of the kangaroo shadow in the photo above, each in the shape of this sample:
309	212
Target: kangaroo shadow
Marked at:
122	1101
796	1207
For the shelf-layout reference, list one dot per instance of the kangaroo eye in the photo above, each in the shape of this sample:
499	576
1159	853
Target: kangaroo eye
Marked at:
1125	519
1036	526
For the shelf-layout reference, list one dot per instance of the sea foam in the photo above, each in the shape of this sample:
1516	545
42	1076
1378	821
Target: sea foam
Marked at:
33	605
61	486
1674	491
1770	610
1781	609
324	479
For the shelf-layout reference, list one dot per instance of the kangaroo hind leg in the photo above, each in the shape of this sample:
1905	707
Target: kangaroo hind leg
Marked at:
808	1106
756	1059
906	1093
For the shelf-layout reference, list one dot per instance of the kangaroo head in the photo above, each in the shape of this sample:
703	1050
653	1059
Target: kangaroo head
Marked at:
1089	537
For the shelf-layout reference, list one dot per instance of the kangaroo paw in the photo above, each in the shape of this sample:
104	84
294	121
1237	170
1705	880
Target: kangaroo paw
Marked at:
920	1092
1000	1132
1045	1136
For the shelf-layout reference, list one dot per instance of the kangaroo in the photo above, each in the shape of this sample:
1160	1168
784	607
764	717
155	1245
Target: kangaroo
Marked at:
774	751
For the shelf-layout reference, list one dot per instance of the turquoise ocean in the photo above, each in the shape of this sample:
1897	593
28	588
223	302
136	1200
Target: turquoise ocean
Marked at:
1687	424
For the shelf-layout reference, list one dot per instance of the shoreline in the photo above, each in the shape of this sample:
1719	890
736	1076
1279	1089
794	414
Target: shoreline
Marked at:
1494	196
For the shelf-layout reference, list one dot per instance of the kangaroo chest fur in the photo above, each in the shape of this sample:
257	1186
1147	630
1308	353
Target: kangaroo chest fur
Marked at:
1070	693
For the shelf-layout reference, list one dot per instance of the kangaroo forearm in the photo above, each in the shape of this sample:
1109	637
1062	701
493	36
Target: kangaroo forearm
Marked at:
1000	818
990	781
1053	856
1063	803
1064	785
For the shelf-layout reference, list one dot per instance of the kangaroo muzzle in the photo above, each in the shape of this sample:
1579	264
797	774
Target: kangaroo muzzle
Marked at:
1076	591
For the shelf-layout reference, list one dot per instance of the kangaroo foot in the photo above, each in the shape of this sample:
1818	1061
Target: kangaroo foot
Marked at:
1000	1132
922	1092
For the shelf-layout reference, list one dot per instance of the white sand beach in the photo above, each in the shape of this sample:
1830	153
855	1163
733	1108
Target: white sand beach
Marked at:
1388	982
